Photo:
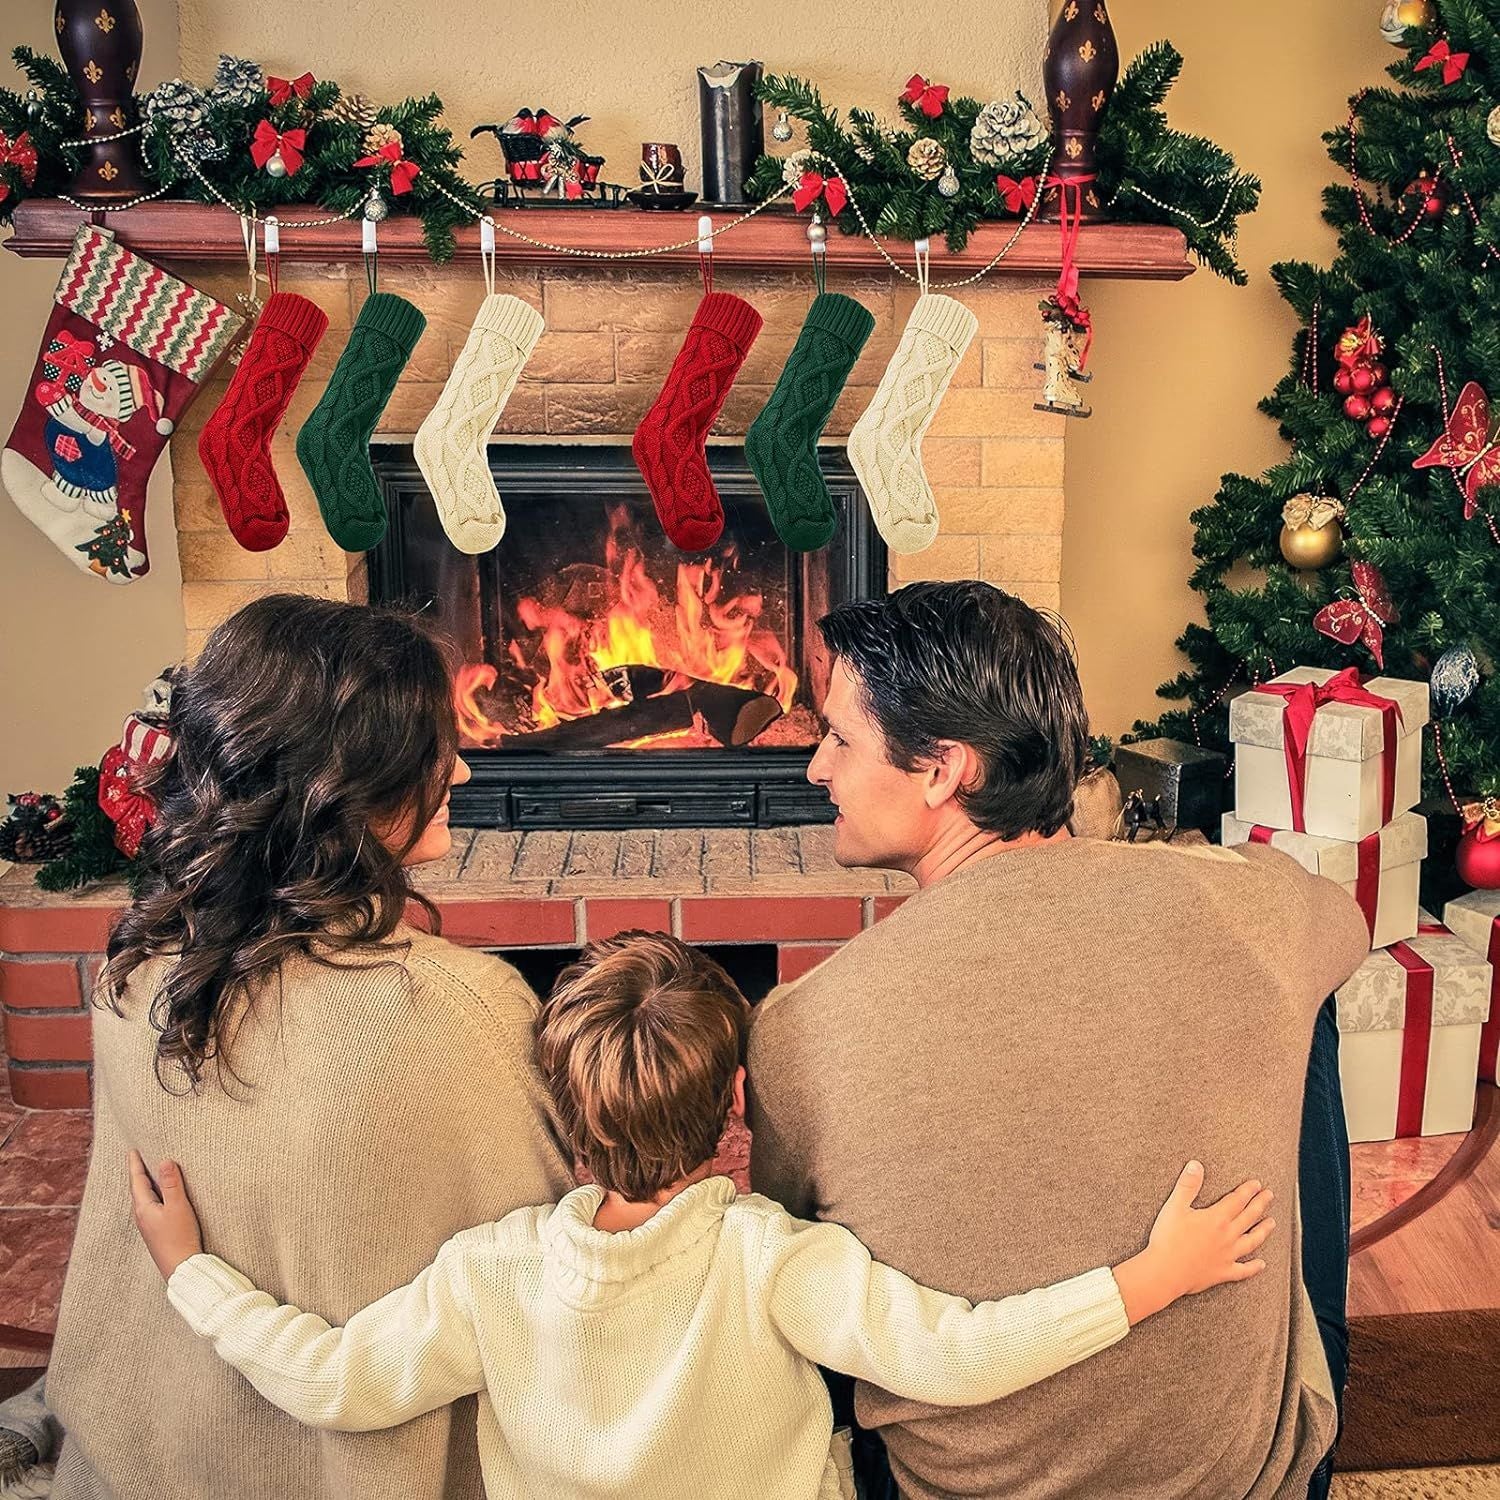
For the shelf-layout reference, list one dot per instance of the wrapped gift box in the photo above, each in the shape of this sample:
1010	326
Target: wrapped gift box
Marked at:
1409	1024
1358	767
1381	872
1476	919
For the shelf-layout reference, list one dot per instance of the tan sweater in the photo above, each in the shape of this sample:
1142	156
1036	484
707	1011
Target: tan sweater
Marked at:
675	1361
999	1084
384	1110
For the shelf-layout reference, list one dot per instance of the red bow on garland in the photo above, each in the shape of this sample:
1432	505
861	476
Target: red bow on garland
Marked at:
1453	62
282	89
403	173
1363	619
928	97
815	185
269	140
19	153
1018	196
1466	446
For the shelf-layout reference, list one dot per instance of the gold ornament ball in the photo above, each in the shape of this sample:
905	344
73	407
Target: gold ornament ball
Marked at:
1492	126
276	167
1399	14
1308	548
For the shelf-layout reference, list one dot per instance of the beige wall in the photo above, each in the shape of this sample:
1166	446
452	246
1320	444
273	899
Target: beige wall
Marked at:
76	651
1180	368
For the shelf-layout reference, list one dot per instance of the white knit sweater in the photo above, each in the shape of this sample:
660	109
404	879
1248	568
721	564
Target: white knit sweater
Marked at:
670	1362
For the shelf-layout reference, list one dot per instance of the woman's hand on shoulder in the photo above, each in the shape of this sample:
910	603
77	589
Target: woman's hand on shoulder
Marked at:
163	1214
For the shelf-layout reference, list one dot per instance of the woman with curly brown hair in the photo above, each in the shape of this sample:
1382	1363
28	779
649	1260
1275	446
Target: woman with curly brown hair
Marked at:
337	1076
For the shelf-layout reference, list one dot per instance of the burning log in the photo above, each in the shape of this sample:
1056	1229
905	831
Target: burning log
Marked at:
655	701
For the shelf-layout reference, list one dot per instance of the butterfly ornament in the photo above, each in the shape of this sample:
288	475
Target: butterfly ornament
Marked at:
1467	447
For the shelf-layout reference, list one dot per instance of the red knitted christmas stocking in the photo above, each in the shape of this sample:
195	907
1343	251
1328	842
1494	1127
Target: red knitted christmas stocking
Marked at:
668	445
235	444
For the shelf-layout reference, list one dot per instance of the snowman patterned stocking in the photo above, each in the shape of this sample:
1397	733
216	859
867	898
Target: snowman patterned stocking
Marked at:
125	352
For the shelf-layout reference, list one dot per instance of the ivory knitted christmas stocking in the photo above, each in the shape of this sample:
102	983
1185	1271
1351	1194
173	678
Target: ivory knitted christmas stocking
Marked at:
452	446
885	446
668	444
235	444
125	350
334	444
782	444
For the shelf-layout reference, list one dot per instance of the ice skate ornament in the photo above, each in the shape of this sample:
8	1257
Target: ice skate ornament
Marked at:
1062	361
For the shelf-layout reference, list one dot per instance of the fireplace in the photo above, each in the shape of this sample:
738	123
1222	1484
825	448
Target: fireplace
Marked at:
610	681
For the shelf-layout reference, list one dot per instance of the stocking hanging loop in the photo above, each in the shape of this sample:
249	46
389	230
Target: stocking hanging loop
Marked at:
273	253
922	250
817	243
487	253
370	245
706	251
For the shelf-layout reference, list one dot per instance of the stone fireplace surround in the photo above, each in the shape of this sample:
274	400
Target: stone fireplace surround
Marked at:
611	333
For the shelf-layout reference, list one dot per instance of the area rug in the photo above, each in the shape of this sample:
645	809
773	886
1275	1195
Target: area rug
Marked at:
1482	1483
1418	1396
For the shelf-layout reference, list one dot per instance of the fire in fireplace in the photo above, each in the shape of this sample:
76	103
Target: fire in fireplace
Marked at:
609	680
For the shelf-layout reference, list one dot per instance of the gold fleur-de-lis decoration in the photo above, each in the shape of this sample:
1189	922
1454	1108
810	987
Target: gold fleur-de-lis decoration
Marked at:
1098	101
93	72
105	22
61	24
1093	198
1074	147
89	121
1087	52
109	171
1071	13
1063	102
1100	14
117	117
130	72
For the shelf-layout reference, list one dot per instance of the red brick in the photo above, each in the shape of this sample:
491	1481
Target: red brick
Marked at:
49	985
55	929
49	1088
513	924
766	919
885	905
792	962
30	1038
604	918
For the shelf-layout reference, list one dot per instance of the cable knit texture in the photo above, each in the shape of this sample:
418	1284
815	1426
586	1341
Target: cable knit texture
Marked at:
782	444
885	444
452	444
669	443
235	444
381	1111
334	444
670	1362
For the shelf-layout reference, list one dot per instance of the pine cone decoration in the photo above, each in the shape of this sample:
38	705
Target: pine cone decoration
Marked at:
380	135
1005	128
793	166
238	82
927	158
36	828
353	109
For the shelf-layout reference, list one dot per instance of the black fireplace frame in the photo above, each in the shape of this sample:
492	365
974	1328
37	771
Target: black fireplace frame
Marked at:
748	787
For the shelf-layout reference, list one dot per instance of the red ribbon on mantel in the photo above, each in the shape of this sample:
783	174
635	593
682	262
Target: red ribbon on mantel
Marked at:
1070	215
1303	700
1366	870
1489	1037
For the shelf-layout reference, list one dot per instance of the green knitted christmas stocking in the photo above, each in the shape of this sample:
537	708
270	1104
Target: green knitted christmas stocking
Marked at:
782	444
334	444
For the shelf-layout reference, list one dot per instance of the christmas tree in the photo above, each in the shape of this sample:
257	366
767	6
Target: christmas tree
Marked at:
108	550
1389	438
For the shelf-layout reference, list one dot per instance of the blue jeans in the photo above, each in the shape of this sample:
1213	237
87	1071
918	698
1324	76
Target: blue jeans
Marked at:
1323	1171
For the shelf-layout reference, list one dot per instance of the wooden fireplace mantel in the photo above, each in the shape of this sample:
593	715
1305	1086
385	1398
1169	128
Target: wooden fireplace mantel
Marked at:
775	239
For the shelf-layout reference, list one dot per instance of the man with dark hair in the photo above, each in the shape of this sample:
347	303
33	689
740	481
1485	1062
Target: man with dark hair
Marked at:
992	1083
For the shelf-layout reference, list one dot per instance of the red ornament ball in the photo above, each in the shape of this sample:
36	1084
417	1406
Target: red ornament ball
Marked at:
1342	382
1357	408
1383	401
1380	373
1362	378
1478	859
1378	427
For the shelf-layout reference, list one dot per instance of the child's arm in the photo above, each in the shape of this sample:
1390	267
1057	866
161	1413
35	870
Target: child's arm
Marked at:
409	1353
838	1307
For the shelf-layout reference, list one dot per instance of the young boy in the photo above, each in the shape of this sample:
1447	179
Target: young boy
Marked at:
657	1335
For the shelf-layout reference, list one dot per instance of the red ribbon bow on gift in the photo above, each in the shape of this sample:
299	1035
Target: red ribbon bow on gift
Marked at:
19	153
813	186
403	173
1303	700
1363	619
269	140
928	97
1453	62
1466	446
1018	196
282	89
73	356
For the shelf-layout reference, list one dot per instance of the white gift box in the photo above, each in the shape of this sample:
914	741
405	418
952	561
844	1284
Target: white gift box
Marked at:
1409	1024
1345	767
1476	919
1381	872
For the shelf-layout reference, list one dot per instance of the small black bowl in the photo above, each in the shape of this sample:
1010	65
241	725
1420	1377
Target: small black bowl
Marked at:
645	198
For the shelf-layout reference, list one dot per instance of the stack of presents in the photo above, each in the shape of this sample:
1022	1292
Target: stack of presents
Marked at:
1328	770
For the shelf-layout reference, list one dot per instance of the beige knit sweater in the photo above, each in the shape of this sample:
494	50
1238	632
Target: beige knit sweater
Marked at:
999	1083
383	1110
675	1361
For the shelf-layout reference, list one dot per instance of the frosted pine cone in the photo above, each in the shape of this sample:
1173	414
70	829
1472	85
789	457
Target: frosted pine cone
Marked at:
380	135
793	166
353	109
1005	128
927	158
238	81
